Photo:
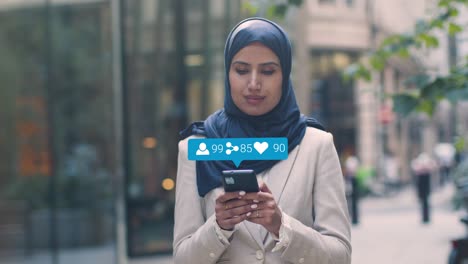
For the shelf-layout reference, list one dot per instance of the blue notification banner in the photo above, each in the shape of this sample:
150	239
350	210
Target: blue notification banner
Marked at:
238	149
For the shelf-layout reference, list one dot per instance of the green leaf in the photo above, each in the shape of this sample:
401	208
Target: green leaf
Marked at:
391	40
377	62
391	49
277	11
249	8
429	40
356	71
453	12
457	95
438	23
460	144
404	104
365	74
404	53
427	107
433	90
454	29
350	72
418	80
407	41
421	27
444	3
270	12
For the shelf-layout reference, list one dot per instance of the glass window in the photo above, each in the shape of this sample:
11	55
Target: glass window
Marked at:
56	141
332	97
170	78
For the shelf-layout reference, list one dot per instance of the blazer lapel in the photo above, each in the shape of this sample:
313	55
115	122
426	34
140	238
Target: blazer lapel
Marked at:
279	175
276	180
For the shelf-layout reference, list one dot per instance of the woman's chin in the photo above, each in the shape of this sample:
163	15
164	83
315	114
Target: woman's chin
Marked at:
252	111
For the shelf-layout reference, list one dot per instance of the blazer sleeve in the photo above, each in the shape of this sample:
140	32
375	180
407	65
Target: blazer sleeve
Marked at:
195	240
328	241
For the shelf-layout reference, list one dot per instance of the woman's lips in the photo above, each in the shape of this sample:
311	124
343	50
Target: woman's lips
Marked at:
254	99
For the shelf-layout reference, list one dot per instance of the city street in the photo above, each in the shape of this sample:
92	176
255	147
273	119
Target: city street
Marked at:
390	230
100	99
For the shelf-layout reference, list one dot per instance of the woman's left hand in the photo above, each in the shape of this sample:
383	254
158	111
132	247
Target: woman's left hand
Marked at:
267	212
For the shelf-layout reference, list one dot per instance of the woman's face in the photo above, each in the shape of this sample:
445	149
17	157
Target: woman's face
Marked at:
255	77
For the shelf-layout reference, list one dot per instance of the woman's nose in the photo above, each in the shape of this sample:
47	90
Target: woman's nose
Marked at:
254	82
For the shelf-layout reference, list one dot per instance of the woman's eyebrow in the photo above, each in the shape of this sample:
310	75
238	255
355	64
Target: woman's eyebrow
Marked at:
270	63
261	64
240	62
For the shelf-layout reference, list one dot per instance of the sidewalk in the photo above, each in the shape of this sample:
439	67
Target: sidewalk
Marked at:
152	260
390	230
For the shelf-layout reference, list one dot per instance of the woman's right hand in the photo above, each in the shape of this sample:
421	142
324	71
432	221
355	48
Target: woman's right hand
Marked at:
231	209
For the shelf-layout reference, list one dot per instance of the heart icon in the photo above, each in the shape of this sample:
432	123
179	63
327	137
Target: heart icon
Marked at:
261	147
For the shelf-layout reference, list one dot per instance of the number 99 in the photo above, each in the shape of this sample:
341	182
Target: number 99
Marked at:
217	148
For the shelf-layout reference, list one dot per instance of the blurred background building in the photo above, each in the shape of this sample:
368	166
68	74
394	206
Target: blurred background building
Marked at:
329	36
89	118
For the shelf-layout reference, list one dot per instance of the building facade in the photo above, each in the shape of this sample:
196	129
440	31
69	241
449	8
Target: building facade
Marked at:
88	167
329	36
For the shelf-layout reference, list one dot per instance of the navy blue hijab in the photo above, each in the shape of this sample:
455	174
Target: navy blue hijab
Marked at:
284	120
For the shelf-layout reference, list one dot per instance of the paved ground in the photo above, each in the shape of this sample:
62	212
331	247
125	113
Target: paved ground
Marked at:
390	231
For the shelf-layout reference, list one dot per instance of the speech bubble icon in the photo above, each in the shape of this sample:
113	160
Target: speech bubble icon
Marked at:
237	149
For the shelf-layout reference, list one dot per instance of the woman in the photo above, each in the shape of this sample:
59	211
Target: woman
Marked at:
300	214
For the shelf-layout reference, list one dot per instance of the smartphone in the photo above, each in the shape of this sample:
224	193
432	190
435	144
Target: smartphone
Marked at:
240	180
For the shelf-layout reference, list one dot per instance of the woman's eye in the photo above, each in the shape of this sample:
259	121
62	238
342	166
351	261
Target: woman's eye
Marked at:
241	71
268	72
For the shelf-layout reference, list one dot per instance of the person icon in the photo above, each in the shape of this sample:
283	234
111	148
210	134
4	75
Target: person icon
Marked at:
202	150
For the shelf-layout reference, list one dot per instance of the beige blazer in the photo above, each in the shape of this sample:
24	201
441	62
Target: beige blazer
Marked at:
309	189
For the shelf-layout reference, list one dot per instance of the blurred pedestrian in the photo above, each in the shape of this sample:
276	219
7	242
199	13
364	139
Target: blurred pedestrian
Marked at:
423	167
445	154
299	215
351	168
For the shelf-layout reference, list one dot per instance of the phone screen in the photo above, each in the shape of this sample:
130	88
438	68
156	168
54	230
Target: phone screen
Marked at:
240	180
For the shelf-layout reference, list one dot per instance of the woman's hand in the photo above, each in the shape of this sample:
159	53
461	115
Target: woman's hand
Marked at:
232	208
267	212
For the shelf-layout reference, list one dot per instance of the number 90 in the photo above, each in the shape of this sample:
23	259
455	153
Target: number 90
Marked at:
279	147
